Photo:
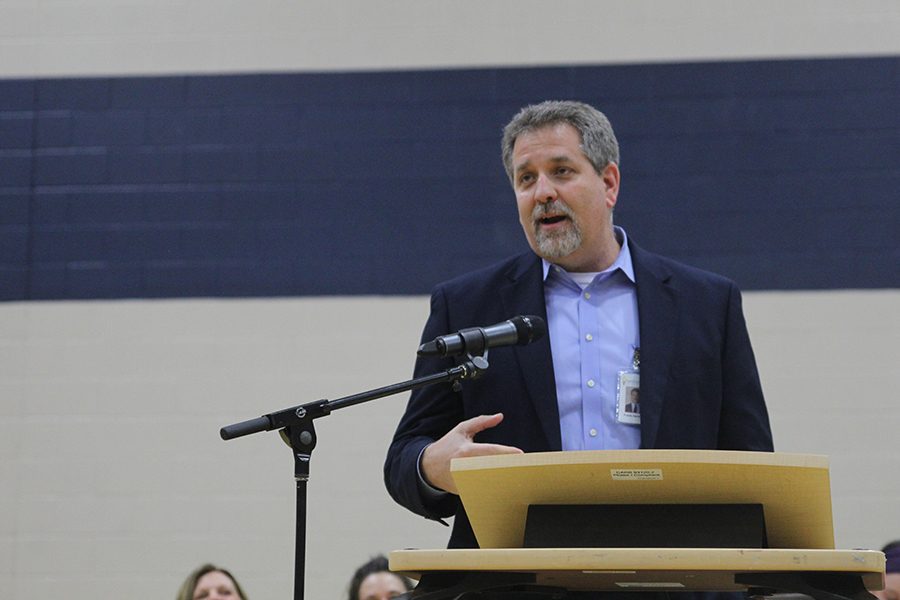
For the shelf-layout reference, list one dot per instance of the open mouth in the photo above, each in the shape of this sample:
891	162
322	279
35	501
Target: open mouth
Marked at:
552	220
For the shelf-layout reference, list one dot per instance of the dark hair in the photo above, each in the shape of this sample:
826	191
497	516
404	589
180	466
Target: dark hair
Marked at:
892	557
377	564
186	591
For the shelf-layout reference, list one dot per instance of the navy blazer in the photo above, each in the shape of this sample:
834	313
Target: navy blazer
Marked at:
699	383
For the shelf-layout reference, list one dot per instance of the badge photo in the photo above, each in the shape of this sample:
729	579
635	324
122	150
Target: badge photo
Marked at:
628	405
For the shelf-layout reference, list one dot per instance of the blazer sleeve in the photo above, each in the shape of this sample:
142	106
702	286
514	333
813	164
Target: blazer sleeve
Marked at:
430	413
744	421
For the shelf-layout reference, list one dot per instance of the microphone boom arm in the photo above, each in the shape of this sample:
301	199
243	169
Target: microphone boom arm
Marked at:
468	369
295	425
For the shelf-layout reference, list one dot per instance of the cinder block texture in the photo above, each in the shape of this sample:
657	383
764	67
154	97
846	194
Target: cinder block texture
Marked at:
779	174
113	474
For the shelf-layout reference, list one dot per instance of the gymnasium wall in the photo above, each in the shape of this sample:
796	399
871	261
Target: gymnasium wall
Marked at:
211	210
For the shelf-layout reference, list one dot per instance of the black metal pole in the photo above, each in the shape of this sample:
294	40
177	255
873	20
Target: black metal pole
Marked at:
300	542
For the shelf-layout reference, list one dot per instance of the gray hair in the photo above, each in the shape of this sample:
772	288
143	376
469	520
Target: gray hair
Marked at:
598	142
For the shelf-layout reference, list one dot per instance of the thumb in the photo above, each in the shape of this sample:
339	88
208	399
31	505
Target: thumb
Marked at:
478	424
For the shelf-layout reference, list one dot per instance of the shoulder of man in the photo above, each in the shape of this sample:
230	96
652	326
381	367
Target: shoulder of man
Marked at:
678	273
491	276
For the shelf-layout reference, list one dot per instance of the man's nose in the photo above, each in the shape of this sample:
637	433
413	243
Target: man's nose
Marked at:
544	191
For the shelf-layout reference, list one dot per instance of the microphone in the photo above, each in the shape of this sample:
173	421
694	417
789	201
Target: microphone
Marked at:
519	331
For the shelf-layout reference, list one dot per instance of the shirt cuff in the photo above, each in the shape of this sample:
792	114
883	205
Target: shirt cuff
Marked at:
429	492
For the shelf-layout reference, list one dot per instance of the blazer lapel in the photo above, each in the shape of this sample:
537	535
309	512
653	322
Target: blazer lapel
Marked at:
524	295
657	317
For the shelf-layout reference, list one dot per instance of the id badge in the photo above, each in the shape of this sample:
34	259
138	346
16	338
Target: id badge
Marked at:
628	393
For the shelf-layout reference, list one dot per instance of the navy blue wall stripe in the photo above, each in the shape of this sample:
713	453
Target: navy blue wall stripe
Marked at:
779	174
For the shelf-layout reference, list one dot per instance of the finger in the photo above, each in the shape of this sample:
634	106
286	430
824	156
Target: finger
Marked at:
490	449
480	423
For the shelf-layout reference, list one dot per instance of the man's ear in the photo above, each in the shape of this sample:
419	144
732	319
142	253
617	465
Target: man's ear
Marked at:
610	177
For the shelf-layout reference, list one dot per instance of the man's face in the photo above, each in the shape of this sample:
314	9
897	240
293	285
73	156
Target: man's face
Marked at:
565	206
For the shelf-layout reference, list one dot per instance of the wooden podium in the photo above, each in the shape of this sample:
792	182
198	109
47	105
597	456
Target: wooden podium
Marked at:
698	508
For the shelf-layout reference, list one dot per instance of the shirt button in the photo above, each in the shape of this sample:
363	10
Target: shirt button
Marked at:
590	383
593	432
587	295
588	337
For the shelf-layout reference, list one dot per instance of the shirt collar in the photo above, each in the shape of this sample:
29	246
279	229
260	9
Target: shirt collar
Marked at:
622	262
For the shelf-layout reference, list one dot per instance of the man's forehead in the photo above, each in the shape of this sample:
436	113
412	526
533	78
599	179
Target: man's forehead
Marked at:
566	138
555	159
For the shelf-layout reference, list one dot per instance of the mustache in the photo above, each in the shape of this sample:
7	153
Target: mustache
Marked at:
557	207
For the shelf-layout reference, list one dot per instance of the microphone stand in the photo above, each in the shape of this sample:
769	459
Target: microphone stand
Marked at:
297	430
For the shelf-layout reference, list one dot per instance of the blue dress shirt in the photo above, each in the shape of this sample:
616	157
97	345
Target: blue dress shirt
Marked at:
592	319
593	324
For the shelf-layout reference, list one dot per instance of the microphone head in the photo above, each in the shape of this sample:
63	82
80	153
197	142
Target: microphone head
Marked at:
430	349
529	328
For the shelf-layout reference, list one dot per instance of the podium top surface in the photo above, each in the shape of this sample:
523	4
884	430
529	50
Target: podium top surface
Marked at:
794	489
661	569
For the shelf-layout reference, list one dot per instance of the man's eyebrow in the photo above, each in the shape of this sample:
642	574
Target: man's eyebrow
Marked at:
562	158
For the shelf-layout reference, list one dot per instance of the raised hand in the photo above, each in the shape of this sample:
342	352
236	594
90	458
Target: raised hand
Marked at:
456	443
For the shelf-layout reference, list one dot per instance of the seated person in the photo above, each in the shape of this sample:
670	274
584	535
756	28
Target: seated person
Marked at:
891	589
210	582
374	581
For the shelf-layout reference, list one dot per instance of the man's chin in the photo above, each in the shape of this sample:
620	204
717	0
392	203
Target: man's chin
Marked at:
554	252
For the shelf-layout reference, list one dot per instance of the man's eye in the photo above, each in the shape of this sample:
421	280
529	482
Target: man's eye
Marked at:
525	179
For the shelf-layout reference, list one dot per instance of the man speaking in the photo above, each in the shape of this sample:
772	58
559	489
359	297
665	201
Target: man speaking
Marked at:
619	319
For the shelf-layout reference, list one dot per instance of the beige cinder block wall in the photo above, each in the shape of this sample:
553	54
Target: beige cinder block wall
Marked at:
114	476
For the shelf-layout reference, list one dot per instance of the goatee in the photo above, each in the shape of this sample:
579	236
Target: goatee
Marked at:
561	241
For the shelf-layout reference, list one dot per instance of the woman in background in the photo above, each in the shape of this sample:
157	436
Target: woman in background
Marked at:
374	581
210	582
891	589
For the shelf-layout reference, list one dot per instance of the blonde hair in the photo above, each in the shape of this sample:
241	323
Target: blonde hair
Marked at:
186	591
